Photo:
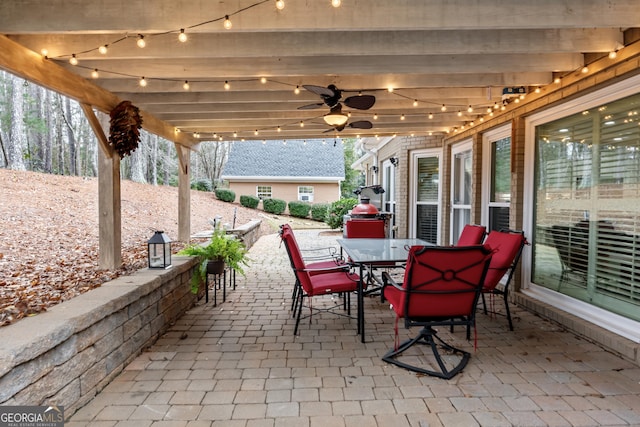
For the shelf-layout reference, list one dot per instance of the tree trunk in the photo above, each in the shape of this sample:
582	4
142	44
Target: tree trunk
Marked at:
71	138
17	135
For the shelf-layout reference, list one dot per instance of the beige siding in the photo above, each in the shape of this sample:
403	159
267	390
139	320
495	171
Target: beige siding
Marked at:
288	191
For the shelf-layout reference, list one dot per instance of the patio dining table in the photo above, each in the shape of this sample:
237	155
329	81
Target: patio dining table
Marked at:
366	252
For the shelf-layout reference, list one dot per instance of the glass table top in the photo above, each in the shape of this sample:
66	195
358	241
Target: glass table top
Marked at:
375	250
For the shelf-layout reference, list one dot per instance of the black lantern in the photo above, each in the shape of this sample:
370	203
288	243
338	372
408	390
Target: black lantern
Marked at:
159	250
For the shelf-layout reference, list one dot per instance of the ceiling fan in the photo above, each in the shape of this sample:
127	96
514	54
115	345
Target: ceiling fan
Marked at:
331	96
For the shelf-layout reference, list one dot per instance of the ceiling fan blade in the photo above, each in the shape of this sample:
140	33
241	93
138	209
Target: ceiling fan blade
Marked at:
361	124
319	90
360	102
311	106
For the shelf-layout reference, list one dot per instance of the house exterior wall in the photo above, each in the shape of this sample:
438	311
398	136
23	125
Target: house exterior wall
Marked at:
288	191
605	73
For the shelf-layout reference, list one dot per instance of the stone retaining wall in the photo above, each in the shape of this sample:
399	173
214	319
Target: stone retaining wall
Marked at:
69	353
66	355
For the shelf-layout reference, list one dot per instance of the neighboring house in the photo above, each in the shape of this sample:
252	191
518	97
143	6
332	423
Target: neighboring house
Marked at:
563	165
308	171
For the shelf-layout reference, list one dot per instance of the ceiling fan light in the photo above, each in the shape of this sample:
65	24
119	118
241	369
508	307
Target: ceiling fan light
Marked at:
336	118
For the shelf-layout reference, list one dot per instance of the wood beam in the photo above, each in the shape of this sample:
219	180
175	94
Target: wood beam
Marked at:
184	194
32	66
103	141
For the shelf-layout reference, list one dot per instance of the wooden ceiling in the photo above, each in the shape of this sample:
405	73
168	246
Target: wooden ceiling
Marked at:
456	53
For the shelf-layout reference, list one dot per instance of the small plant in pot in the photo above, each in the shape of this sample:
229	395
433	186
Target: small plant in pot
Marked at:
222	250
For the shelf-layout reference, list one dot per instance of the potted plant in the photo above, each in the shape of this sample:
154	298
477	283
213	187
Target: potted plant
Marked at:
222	250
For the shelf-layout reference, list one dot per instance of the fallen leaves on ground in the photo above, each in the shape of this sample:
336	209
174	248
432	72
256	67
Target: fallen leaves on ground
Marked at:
49	235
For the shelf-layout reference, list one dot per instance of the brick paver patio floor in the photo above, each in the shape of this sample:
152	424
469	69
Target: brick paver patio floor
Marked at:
238	365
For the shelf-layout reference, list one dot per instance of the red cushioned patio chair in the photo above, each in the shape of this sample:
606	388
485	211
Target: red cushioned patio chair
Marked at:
441	287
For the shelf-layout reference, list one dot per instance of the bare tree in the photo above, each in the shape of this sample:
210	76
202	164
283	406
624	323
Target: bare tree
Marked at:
17	134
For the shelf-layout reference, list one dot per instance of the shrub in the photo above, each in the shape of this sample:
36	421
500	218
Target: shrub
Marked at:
225	194
339	209
202	185
249	201
319	211
299	209
274	206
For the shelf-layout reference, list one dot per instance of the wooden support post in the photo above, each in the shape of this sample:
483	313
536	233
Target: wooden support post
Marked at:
109	203
184	193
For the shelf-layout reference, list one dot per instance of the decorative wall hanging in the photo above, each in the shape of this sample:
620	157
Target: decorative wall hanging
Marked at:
124	133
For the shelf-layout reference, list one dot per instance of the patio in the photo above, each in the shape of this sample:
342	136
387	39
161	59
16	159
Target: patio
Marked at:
239	365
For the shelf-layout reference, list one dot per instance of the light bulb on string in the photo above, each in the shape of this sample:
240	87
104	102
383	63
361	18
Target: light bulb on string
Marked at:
279	4
263	80
431	115
402	117
182	36
301	124
141	43
44	52
375	116
185	85
336	3
297	90
227	23
103	49
415	102
279	129
142	82
470	109
459	113
443	108
227	86
73	60
255	132
94	74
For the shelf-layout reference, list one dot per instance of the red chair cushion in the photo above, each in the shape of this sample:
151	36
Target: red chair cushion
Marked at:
471	235
505	247
365	228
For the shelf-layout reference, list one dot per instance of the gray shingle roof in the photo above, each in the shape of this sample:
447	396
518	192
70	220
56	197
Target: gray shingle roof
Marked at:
297	158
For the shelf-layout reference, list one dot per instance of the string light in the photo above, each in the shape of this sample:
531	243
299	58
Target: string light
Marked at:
227	23
73	60
443	108
182	36
470	109
186	86
415	102
279	129
402	117
297	90
375	116
459	113
103	49
390	89
142	82
227	86
141	43
301	124
279	4
431	115
613	54
94	74
585	70
263	80
336	3
44	52
255	132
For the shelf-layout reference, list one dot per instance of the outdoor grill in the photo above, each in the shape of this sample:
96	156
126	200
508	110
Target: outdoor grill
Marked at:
370	206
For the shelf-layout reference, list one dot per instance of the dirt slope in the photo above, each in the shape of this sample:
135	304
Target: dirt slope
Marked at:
49	234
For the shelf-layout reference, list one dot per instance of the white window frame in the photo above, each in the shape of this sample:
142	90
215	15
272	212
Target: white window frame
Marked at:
620	325
460	147
415	155
487	162
301	194
264	186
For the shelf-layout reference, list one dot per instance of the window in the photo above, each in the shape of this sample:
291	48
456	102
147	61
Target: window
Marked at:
305	193
263	191
587	206
426	196
497	178
389	185
461	182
